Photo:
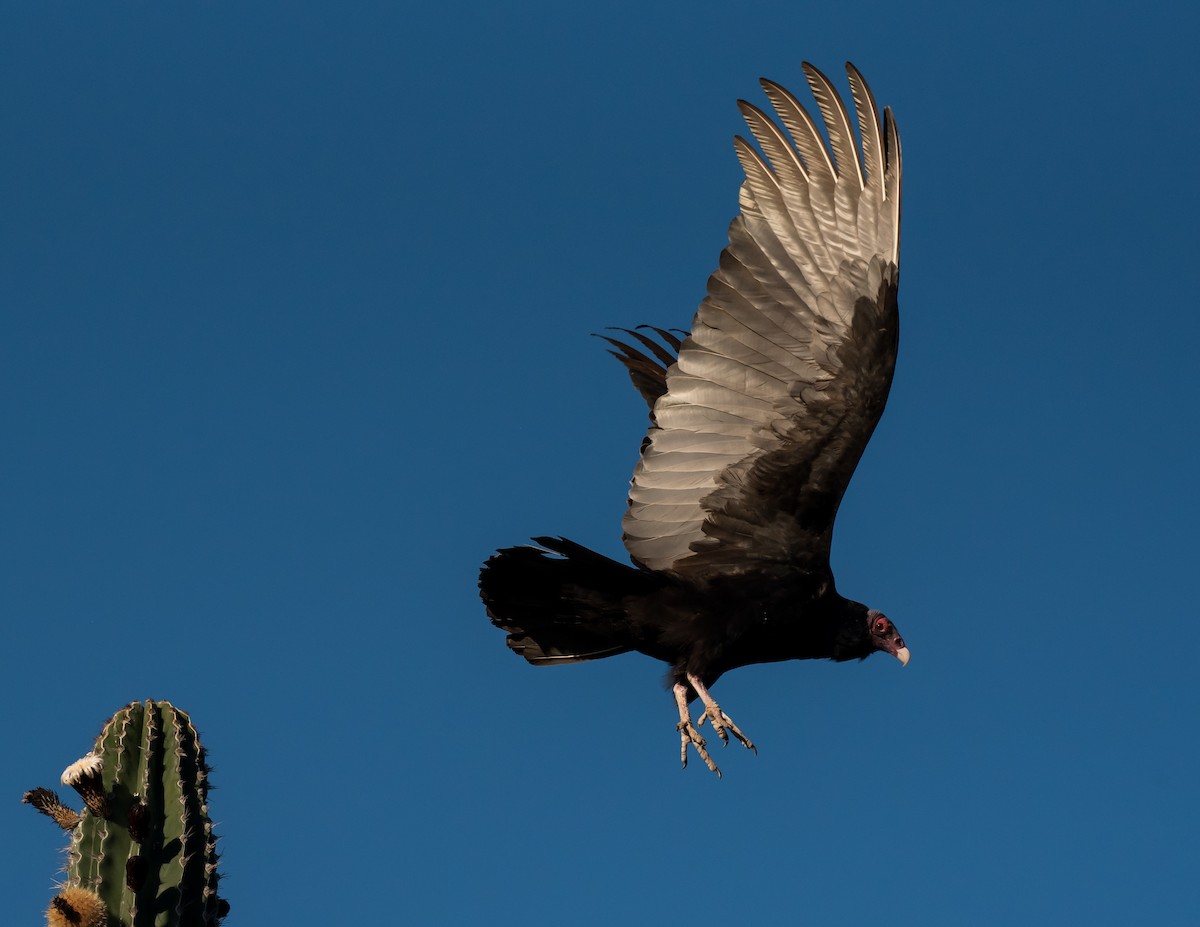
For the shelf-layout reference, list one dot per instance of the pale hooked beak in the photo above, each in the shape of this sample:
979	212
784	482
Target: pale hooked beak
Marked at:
902	655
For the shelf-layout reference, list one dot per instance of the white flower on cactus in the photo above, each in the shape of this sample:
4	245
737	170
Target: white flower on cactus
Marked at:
85	767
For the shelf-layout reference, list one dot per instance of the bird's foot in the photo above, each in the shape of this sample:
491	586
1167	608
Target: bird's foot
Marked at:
723	726
689	735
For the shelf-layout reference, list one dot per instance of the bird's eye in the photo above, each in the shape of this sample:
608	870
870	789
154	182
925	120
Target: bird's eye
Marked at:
881	625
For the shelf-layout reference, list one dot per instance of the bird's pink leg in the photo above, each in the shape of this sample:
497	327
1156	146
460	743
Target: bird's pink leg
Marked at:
688	733
720	720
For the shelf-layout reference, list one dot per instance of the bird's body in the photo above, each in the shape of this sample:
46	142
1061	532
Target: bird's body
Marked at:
759	417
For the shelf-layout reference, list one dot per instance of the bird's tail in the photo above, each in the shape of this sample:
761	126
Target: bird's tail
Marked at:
560	603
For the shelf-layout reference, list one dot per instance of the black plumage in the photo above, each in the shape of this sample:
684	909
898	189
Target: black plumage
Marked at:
758	419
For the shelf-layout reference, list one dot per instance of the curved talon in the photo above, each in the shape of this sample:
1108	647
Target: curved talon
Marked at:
689	735
722	724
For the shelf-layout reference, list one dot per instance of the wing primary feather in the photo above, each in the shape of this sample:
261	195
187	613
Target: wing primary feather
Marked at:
778	149
625	354
892	139
837	122
868	127
665	335
759	175
665	357
804	131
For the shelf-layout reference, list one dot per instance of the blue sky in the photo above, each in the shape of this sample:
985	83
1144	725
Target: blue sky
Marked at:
296	303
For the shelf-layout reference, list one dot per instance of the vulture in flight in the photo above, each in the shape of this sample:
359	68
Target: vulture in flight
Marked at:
758	419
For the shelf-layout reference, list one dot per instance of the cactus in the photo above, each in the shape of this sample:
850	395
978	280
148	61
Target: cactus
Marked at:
143	851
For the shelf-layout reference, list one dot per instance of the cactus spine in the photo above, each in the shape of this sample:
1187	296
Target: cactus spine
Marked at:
144	845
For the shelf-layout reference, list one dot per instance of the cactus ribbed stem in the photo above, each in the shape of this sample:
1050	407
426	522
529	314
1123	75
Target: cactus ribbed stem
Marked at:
144	845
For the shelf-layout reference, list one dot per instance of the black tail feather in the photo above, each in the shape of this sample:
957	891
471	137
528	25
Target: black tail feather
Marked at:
561	603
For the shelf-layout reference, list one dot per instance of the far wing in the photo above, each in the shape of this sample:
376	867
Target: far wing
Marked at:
786	372
647	365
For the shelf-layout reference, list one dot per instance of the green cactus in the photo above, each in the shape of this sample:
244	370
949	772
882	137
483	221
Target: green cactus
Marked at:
144	845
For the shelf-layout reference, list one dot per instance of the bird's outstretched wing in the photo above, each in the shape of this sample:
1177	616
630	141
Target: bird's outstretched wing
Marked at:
776	391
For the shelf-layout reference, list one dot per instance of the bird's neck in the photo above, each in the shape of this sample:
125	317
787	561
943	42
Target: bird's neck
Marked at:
816	628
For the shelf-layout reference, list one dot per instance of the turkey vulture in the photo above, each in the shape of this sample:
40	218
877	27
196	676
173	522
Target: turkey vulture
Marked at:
758	419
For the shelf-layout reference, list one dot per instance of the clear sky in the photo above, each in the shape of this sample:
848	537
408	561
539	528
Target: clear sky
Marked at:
295	304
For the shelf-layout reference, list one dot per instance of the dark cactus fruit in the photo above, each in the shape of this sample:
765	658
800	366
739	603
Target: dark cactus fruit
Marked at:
142	852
